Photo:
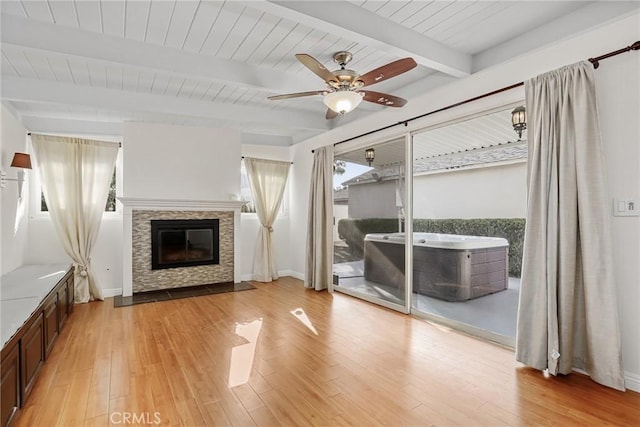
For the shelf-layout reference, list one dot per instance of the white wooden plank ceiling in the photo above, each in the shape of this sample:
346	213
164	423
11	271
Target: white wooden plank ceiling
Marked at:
69	64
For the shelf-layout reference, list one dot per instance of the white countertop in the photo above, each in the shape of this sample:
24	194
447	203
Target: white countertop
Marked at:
28	281
13	314
22	290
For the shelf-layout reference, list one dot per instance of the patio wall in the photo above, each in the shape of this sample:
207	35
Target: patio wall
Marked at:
487	192
490	192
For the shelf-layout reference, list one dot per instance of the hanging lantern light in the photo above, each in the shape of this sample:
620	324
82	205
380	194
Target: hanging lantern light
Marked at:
369	155
519	120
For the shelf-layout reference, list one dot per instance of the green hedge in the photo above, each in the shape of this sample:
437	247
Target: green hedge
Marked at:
352	231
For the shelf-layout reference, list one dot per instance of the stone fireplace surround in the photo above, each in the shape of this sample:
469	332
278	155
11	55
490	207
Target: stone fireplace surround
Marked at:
136	253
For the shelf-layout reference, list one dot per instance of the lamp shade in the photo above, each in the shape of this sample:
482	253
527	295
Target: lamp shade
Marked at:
21	160
342	101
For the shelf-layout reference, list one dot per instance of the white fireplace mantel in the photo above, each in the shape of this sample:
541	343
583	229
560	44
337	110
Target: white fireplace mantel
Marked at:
184	205
132	203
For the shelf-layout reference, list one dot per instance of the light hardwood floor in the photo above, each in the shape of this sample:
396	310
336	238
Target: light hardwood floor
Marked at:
186	363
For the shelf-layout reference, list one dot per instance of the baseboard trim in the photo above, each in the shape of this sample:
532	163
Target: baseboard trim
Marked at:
281	273
297	275
632	381
112	292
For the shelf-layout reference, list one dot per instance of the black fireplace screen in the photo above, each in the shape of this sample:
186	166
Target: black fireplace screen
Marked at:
184	243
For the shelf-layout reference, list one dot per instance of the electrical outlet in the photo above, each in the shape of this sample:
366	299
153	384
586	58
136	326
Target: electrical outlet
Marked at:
626	207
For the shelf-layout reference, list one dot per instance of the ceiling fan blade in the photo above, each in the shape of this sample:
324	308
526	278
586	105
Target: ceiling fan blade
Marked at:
295	95
314	65
383	99
385	72
331	114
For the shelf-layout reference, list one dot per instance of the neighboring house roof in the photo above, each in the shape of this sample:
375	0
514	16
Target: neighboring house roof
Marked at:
508	151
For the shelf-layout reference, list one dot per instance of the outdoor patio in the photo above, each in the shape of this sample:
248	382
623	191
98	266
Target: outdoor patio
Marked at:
495	313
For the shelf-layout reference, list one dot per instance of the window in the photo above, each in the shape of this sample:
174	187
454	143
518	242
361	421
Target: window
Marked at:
245	191
247	197
111	198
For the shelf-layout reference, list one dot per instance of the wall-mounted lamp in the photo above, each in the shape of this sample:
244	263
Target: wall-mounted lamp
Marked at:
519	120
369	155
21	161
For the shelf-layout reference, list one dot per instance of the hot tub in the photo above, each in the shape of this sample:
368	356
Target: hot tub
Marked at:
445	266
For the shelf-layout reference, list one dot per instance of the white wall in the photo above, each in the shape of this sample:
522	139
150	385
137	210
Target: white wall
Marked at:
373	200
619	103
106	259
619	97
483	192
180	162
489	192
13	211
299	205
251	225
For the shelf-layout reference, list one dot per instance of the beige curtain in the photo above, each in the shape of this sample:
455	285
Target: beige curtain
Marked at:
75	175
568	314
267	179
320	225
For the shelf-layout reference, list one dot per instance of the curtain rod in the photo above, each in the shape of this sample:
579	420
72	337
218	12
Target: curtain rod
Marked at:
595	61
119	143
268	159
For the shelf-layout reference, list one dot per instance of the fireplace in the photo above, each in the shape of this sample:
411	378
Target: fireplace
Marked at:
137	214
184	243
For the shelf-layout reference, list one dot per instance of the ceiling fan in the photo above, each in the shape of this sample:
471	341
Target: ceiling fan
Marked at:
344	87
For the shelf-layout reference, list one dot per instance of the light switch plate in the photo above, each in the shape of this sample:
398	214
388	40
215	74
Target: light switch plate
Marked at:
626	207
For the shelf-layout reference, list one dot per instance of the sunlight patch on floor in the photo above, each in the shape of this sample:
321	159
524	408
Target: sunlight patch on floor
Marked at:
299	314
242	355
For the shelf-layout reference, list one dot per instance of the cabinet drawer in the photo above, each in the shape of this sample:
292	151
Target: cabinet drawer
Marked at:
50	323
71	295
32	354
10	389
62	306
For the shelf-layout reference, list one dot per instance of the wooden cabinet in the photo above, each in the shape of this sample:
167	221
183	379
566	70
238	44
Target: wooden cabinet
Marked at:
71	294
63	304
51	323
24	354
31	354
10	389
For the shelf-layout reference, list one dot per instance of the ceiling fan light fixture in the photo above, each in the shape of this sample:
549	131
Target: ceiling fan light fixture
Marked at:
342	101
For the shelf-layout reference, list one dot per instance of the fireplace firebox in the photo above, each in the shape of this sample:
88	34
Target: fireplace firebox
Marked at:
184	243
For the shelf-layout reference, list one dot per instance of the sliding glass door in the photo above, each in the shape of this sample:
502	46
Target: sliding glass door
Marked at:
369	223
469	200
451	251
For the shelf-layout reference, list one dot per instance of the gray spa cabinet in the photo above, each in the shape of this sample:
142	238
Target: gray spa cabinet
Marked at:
445	266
